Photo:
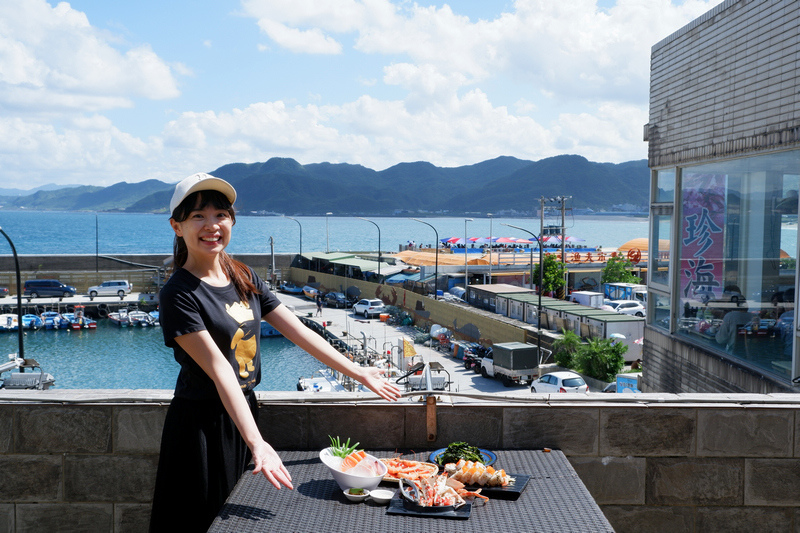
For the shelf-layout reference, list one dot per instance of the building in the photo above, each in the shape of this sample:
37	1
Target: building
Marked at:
724	151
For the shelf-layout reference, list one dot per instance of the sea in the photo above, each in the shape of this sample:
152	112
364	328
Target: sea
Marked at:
136	358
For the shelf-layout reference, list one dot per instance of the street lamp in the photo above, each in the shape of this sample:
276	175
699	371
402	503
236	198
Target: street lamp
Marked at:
301	234
96	244
541	281
19	296
490	247
379	242
466	268
436	274
327	239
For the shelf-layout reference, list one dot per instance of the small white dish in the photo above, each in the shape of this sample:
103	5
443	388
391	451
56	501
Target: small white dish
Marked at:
357	497
381	496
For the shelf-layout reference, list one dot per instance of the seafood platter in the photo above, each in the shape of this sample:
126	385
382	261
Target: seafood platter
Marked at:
445	490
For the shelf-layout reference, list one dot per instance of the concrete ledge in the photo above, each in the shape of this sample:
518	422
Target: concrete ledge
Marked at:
653	462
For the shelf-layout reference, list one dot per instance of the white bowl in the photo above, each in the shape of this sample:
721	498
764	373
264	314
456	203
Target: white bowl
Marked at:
350	481
356	497
381	496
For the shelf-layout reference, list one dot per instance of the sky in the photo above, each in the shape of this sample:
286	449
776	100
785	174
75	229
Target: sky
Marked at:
98	92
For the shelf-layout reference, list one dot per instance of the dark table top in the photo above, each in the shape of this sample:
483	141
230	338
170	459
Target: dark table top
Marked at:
554	500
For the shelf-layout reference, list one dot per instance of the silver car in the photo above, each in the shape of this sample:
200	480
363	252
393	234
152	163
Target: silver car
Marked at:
368	307
118	287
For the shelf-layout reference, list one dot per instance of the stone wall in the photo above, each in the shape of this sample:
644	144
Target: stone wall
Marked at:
726	84
85	460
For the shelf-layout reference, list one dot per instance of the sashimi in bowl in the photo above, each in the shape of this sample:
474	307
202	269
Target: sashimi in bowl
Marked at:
358	470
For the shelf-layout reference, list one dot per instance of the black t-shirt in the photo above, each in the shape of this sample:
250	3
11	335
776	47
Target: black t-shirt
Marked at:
188	305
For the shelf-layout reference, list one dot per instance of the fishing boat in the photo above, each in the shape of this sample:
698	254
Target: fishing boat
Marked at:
79	320
30	321
9	322
140	318
310	292
54	320
268	331
120	318
290	288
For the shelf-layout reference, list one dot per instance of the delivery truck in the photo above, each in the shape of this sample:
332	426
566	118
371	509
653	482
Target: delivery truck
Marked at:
512	362
587	298
626	291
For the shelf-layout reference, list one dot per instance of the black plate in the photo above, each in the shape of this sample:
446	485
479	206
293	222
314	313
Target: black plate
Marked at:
489	458
396	507
509	492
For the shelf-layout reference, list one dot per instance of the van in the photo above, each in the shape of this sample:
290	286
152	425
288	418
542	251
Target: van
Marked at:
115	287
47	287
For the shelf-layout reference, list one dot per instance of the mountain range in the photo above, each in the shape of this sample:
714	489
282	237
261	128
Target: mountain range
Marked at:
503	186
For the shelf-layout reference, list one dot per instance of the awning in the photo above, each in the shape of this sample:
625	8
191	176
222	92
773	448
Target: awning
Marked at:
331	256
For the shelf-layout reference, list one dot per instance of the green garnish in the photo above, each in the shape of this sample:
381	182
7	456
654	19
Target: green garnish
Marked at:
342	450
356	492
460	450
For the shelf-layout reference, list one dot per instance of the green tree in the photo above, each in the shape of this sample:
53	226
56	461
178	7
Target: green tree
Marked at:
565	348
618	270
601	359
553	274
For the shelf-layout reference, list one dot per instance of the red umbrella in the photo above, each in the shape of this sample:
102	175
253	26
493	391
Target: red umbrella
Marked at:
506	240
523	241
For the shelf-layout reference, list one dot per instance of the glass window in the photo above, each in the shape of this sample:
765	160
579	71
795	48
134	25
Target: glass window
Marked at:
665	186
738	247
659	261
660	313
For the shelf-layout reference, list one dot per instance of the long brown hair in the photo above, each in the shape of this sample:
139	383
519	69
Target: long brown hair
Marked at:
236	270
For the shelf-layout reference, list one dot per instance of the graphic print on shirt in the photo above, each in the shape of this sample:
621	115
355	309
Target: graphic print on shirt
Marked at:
244	340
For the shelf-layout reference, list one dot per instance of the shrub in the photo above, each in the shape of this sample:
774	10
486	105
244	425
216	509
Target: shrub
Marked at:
565	348
601	359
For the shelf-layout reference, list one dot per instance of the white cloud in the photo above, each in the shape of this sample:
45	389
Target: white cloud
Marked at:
51	57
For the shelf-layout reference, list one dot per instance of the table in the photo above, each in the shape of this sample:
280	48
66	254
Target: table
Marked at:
554	500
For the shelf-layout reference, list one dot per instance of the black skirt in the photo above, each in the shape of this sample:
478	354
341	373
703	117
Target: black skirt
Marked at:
202	457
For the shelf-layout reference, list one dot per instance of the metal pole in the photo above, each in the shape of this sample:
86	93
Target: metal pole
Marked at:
19	296
490	247
466	268
539	309
379	242
327	240
96	245
436	244
301	233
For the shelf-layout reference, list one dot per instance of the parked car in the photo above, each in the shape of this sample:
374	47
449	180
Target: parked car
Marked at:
564	381
629	307
336	299
369	308
3	292
47	287
611	387
117	287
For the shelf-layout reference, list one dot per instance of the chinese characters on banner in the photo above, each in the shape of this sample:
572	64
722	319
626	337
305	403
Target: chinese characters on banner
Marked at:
702	233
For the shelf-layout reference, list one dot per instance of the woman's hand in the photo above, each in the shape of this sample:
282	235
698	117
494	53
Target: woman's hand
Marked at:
268	463
371	377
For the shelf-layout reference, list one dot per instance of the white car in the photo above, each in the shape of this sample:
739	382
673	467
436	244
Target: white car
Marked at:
564	381
368	308
116	287
629	307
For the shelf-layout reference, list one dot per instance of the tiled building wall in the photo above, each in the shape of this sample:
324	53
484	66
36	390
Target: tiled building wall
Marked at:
726	84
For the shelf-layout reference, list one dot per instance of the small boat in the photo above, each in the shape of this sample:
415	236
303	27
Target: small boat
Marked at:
155	316
54	320
32	322
140	318
119	318
268	331
80	321
9	322
324	382
290	288
310	292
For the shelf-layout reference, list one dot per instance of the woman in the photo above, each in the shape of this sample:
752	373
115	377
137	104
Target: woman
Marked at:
210	313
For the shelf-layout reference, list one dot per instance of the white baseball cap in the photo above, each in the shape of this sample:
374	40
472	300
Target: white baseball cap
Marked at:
200	182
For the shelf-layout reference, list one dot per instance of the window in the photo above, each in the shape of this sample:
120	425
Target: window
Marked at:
737	257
